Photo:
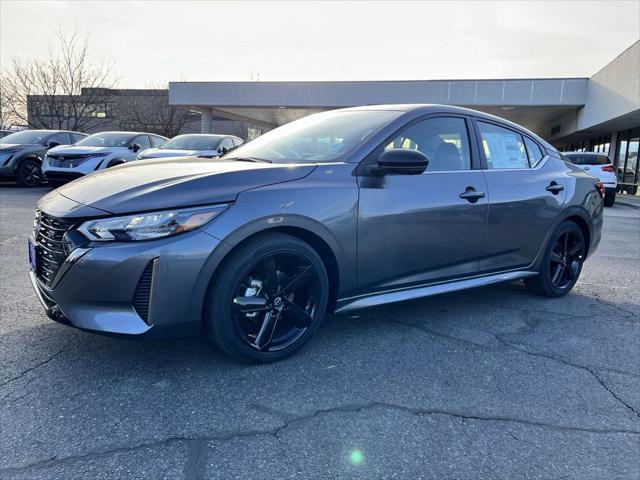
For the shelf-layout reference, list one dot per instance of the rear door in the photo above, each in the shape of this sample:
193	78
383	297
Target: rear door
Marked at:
526	193
420	229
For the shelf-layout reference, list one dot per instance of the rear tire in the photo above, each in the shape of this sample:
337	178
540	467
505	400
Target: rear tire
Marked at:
29	173
562	262
610	198
264	270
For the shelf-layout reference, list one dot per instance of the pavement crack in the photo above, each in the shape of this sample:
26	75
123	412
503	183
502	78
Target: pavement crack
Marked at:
31	369
195	465
613	394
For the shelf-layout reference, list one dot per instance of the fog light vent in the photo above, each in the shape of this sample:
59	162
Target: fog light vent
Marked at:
144	291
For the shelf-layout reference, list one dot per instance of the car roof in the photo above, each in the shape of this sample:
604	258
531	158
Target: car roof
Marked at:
427	108
129	133
44	130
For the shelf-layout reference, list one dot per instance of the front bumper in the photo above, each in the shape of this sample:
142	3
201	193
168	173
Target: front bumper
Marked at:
100	291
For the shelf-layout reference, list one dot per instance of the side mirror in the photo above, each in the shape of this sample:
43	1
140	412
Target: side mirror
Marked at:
135	147
402	161
52	144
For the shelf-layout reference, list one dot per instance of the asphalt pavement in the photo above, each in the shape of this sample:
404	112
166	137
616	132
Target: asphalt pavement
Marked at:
492	383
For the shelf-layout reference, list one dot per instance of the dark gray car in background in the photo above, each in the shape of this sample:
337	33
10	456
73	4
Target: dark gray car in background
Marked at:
21	153
340	210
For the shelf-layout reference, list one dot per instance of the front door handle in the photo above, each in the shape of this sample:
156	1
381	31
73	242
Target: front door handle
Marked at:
555	188
471	195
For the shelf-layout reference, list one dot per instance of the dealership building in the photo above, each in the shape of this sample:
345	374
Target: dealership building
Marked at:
600	113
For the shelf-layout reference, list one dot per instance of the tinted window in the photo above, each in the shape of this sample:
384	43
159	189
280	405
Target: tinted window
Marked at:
60	139
323	137
26	137
443	140
534	151
76	137
106	139
157	141
193	142
585	159
143	141
226	143
503	148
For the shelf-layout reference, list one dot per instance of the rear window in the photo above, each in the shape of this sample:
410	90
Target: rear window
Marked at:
582	159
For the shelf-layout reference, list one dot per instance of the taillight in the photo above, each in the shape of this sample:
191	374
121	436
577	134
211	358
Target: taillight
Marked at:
607	168
600	187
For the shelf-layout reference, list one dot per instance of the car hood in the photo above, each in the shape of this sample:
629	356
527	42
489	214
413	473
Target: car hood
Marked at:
79	150
170	152
146	185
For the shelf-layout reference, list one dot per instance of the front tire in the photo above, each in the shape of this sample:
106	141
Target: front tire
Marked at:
267	299
562	262
29	173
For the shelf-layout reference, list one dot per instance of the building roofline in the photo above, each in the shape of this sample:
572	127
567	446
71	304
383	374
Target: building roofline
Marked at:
616	57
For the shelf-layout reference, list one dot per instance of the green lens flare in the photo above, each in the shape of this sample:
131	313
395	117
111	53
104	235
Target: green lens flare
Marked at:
356	457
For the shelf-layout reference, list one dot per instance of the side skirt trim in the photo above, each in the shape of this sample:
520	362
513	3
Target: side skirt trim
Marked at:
381	298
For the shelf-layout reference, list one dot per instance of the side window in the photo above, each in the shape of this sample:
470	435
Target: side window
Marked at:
444	140
157	141
237	141
225	143
535	154
75	137
502	147
143	141
60	139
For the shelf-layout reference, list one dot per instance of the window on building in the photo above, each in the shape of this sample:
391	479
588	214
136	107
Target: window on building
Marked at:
444	140
503	148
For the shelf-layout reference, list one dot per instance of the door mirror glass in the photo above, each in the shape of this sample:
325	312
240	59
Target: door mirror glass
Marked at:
52	144
402	161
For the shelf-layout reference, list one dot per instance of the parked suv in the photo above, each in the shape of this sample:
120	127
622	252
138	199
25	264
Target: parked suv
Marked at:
21	153
337	211
95	152
194	145
600	166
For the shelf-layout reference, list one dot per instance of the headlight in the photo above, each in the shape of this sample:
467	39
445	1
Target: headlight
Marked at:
149	226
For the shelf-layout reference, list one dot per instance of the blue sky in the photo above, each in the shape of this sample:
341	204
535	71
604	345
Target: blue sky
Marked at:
153	42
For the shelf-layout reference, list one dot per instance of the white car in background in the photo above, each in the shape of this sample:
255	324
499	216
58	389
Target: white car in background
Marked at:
193	145
95	152
600	166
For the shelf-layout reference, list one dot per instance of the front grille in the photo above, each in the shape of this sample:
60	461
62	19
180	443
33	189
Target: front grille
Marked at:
68	161
142	296
51	248
62	177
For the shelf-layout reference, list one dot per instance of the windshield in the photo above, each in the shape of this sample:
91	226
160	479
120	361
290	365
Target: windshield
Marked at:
586	159
26	137
193	142
109	139
323	137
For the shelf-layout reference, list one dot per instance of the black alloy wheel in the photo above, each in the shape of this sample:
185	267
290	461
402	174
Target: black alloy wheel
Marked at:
29	174
566	260
562	263
268	299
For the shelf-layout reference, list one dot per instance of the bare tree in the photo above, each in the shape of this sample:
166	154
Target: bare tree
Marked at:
150	110
64	90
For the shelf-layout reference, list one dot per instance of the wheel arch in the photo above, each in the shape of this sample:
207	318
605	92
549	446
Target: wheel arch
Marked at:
306	231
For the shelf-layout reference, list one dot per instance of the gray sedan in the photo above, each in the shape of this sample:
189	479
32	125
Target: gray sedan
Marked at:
340	210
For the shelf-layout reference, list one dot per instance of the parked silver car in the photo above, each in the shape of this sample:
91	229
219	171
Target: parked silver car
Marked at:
193	145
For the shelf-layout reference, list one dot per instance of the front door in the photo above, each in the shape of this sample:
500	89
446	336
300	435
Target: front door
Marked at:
420	229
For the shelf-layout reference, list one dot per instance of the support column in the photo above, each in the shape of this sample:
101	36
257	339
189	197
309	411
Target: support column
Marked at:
206	120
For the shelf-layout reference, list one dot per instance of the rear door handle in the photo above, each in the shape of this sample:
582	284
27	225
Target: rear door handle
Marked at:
554	188
471	195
